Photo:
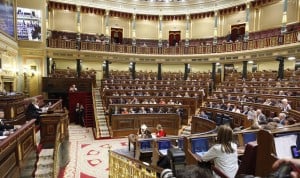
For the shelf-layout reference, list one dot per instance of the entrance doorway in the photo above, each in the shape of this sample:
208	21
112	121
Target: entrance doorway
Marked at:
174	38
116	35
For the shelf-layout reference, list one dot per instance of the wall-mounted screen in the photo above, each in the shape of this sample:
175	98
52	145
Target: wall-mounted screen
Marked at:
29	24
7	17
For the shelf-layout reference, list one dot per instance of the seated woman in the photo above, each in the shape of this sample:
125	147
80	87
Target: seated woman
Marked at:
160	131
224	153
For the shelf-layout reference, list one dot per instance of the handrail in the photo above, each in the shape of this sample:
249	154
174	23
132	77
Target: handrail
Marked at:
56	152
129	167
97	128
252	44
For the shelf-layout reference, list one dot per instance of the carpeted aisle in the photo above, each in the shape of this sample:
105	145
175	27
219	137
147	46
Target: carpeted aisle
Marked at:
89	157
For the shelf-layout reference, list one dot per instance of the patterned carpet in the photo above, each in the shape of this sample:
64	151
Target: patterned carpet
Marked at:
89	157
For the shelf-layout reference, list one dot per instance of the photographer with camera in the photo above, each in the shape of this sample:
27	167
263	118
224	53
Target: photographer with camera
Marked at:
288	166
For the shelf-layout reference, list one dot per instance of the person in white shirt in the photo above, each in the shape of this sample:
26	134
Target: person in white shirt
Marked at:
285	106
224	153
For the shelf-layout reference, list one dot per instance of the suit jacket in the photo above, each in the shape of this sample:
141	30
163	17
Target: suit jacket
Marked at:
32	112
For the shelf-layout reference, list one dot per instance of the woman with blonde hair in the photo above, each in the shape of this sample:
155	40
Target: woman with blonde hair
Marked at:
160	131
224	152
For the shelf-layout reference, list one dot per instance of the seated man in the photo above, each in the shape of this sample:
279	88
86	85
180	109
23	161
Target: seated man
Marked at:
33	111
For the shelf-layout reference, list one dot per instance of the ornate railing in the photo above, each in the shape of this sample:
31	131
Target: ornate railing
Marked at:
263	42
123	166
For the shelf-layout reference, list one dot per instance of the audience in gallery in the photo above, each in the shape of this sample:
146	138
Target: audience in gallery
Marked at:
224	153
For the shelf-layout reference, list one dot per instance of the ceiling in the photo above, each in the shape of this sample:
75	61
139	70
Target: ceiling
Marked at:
158	7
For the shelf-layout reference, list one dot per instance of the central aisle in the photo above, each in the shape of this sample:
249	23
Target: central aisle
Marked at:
89	157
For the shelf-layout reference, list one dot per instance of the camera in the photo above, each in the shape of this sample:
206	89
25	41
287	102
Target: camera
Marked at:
167	173
284	171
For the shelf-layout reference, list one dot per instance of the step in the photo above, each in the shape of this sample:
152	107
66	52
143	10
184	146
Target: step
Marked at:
45	173
46	152
44	162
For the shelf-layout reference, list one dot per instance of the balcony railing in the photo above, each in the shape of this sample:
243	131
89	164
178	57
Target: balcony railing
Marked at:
263	42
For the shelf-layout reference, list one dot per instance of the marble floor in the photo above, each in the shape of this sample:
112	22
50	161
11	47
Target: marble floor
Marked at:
89	157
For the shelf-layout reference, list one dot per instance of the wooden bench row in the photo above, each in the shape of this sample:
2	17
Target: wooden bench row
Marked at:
263	160
293	100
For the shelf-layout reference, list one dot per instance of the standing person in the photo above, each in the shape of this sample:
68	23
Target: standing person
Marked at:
160	131
224	153
77	114
53	67
81	115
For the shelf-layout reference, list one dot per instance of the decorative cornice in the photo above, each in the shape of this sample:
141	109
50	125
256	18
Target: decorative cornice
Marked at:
158	8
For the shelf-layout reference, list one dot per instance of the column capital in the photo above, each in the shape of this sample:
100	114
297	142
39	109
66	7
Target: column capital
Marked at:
78	7
107	12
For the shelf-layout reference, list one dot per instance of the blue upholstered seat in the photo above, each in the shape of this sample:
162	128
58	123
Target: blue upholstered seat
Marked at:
163	146
145	145
200	145
249	137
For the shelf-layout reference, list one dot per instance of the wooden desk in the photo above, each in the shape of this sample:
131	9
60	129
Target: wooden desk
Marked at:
13	107
200	125
266	109
48	126
238	118
184	117
125	124
16	150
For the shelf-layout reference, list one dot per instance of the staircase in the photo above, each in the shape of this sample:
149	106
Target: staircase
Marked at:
29	168
186	131
100	116
44	166
89	111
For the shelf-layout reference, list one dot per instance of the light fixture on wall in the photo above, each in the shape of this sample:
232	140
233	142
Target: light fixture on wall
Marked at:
291	58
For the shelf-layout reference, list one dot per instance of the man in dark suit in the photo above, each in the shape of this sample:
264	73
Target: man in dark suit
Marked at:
33	111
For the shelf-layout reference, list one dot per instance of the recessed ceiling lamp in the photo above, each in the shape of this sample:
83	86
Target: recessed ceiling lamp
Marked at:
291	58
250	62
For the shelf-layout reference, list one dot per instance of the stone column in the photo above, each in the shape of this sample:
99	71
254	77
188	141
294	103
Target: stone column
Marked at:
215	40
133	33
246	36
78	67
159	76
160	44
280	59
244	74
284	16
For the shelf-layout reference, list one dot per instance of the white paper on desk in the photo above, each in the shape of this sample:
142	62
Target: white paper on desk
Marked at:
283	145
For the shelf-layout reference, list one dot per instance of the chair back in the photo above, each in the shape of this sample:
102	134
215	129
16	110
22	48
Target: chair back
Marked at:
164	144
249	137
199	144
248	161
145	144
180	143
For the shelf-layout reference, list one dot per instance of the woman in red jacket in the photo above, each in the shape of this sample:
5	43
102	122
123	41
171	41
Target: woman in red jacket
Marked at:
160	131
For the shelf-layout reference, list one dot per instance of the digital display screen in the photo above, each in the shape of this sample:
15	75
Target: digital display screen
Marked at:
29	24
7	24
